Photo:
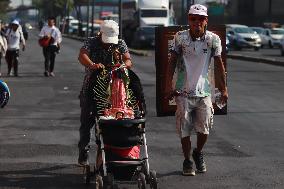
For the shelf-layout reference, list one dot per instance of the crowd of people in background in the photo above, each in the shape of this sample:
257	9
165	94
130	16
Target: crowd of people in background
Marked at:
13	38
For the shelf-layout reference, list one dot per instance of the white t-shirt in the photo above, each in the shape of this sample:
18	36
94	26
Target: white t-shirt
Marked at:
14	38
197	56
53	31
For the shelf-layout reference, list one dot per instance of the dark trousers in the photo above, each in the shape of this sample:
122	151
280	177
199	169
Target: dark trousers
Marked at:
87	120
12	58
49	57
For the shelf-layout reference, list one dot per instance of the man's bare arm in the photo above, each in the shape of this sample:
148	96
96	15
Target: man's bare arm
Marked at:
221	77
86	61
127	60
172	61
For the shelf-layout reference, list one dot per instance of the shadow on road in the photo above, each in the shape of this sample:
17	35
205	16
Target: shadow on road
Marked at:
47	177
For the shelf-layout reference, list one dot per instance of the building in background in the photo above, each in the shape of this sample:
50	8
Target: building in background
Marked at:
247	12
216	10
255	12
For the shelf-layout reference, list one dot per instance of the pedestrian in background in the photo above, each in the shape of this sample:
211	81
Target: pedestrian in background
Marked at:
3	45
14	37
95	54
52	35
196	46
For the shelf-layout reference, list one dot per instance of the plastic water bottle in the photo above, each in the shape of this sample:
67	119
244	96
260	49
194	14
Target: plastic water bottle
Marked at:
218	101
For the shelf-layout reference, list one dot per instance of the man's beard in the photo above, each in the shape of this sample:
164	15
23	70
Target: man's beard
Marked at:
198	31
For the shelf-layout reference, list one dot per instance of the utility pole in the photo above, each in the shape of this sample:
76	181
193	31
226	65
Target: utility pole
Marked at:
270	9
190	2
120	18
88	12
185	7
93	12
182	12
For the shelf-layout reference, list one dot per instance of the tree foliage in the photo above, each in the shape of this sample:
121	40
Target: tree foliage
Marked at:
4	5
53	7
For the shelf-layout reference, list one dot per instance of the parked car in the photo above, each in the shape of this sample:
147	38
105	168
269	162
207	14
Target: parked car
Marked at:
73	26
277	34
227	43
243	37
264	34
282	46
144	37
84	28
96	28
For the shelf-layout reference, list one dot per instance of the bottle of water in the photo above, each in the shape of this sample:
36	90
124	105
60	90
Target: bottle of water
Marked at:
218	101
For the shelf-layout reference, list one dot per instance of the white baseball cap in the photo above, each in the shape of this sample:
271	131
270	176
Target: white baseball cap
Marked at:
198	9
16	22
110	31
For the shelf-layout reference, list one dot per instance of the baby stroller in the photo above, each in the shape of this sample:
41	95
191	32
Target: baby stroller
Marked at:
120	130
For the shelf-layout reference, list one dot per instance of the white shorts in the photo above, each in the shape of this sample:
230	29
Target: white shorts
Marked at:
194	113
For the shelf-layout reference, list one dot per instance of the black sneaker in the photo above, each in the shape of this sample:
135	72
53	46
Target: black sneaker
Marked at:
46	74
187	168
83	159
199	161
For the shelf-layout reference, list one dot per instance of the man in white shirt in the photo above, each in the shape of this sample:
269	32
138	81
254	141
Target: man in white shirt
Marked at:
52	33
196	47
14	38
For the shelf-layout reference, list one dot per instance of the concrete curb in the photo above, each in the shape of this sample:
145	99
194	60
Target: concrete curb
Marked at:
132	51
271	61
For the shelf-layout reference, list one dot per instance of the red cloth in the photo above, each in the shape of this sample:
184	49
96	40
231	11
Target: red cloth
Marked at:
132	152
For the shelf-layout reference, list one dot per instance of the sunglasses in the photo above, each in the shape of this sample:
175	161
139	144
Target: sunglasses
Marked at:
199	19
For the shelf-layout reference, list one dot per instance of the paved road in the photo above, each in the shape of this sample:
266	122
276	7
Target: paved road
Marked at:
39	128
272	55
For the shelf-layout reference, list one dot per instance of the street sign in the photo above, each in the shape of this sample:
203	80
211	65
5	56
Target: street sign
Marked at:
163	38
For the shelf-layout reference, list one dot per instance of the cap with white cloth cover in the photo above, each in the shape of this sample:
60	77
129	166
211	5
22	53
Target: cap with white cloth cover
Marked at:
110	31
198	9
15	22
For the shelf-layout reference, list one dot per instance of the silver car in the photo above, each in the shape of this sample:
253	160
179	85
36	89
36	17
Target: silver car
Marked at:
264	34
242	36
277	34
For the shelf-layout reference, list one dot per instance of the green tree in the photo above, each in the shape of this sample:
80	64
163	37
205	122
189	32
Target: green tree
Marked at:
4	6
53	7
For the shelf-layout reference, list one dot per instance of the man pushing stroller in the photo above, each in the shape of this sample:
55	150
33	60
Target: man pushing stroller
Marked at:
95	55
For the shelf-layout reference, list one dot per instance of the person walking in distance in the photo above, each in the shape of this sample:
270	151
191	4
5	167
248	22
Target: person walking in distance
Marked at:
3	44
14	37
52	35
196	46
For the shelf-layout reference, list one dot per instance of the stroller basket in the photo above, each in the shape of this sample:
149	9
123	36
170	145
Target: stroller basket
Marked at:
122	133
121	122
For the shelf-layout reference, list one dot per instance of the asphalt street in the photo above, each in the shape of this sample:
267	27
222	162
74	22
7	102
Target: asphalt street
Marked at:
263	55
39	128
265	52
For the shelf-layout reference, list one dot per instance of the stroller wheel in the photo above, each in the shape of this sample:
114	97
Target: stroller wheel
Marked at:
141	181
153	180
99	182
87	176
